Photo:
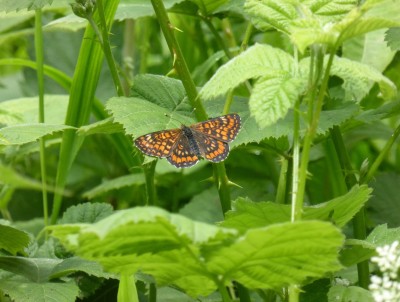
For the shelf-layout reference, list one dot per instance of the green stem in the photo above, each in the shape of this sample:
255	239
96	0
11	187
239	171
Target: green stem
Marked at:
282	183
40	76
222	186
224	292
149	170
179	61
244	295
374	167
107	49
246	38
152	293
214	31
308	139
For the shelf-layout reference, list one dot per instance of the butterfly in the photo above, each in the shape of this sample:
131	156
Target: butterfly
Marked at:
184	146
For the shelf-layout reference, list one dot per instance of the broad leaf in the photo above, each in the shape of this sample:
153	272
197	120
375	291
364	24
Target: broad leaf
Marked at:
8	6
10	177
174	249
248	214
19	289
26	133
86	212
339	293
356	251
208	6
106	126
272	97
381	235
392	38
13	240
257	61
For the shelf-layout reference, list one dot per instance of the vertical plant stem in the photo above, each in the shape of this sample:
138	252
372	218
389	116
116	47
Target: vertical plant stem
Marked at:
214	31
83	87
152	293
179	61
282	183
107	49
246	38
149	170
308	139
224	292
40	78
128	55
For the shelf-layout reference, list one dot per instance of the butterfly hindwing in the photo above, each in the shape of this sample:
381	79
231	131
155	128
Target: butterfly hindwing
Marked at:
210	148
158	143
223	128
181	155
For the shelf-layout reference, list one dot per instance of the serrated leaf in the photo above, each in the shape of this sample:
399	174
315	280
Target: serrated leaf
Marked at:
340	293
257	61
86	212
188	254
271	98
75	264
358	79
26	133
392	37
13	240
281	254
7	5
114	184
35	269
271	13
340	210
21	290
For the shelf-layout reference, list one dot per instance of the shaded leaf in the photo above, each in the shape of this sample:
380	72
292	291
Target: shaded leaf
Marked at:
8	176
8	6
382	235
340	293
13	240
106	126
356	251
392	38
86	212
21	290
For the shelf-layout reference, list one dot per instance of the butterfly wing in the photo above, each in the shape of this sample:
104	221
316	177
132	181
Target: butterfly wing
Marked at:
224	128
159	143
210	148
181	155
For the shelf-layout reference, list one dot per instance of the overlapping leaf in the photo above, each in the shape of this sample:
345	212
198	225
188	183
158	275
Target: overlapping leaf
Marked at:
194	255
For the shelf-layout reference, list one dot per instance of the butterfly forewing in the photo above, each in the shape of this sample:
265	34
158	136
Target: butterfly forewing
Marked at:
223	128
158	143
181	155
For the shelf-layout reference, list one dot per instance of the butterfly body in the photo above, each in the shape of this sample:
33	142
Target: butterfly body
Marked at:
183	147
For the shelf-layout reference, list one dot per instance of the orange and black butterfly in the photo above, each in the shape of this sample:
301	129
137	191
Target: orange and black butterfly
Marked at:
184	146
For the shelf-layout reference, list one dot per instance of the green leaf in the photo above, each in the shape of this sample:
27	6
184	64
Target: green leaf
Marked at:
356	251
340	210
257	61
381	235
385	203
392	38
25	110
281	254
26	133
106	126
34	269
13	240
192	255
72	265
208	6
21	290
340	293
271	13
86	212
115	184
10	177
358	79
8	6
271	98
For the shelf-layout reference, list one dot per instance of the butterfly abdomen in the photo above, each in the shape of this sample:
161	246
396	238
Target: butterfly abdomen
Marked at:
194	147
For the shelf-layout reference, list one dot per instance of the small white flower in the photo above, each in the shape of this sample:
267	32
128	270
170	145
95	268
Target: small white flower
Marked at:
387	287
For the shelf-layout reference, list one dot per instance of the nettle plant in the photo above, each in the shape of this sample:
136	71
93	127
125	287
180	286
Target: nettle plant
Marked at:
284	218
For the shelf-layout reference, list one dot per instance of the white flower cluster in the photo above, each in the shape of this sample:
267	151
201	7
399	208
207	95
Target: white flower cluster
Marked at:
387	287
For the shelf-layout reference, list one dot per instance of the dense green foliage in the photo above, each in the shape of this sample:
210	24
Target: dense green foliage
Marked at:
295	213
